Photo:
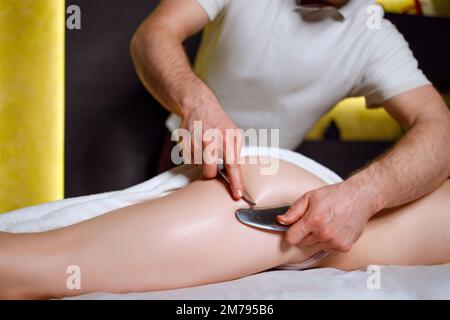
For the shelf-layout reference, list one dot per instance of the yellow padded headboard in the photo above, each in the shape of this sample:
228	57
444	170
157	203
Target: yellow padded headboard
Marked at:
425	7
31	102
357	123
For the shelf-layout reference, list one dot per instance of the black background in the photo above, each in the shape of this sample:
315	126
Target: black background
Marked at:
115	129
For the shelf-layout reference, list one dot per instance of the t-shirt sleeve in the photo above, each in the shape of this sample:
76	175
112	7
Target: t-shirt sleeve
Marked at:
213	7
391	68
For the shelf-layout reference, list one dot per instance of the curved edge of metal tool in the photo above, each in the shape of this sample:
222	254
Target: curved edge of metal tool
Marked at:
265	218
262	218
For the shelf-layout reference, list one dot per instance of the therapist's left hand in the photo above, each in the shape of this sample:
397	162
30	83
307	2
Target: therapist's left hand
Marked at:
332	217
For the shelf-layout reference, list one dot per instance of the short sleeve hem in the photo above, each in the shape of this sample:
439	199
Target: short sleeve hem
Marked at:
212	7
378	97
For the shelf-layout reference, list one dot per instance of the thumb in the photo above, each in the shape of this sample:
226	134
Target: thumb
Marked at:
295	212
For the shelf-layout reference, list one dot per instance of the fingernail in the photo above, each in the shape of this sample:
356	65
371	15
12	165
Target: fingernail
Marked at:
240	194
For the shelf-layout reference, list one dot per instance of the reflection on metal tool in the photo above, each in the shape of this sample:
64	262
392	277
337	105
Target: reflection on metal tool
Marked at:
262	218
265	218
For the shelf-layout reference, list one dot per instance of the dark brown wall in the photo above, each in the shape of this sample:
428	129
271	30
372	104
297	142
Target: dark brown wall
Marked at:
114	128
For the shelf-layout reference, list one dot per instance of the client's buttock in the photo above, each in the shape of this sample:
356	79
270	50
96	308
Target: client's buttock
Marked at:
208	223
191	236
283	187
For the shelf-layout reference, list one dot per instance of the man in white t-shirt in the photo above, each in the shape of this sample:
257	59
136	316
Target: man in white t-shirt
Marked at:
282	64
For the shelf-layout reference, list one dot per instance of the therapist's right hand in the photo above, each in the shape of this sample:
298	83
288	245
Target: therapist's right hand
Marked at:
205	108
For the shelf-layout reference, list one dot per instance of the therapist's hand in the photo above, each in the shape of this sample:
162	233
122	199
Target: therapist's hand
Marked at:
207	110
332	217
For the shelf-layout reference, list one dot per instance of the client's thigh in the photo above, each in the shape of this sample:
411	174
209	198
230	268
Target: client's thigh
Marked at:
188	238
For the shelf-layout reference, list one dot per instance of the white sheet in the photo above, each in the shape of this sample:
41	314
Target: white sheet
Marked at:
396	282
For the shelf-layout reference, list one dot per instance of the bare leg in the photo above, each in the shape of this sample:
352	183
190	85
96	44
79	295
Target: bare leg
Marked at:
191	237
188	238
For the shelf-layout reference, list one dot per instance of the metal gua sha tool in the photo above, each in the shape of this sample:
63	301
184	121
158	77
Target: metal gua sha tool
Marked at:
265	218
262	218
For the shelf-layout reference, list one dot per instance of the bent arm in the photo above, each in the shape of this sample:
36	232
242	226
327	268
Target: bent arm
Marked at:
419	162
159	57
164	69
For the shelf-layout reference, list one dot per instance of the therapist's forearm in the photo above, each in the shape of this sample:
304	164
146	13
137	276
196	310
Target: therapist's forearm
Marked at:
163	67
417	165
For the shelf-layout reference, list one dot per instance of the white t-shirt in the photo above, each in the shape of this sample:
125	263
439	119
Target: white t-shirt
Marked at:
276	65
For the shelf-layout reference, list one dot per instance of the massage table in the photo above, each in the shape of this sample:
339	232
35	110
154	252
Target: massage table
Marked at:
395	282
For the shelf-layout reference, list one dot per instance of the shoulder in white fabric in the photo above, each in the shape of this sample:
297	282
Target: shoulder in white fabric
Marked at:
213	7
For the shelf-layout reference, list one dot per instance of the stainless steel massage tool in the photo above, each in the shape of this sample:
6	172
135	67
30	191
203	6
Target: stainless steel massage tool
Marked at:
265	218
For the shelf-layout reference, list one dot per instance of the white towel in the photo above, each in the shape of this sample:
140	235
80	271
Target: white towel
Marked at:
70	211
